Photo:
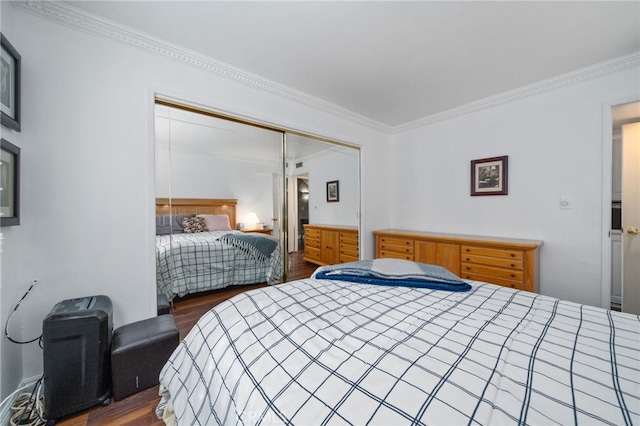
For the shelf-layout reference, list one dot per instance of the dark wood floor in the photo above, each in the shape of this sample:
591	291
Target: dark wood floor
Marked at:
139	409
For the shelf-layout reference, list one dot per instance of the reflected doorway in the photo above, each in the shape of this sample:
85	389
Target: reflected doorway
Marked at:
303	209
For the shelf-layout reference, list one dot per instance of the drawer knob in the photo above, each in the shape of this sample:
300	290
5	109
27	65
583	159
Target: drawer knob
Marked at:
468	269
468	250
513	266
513	276
468	260
513	286
513	255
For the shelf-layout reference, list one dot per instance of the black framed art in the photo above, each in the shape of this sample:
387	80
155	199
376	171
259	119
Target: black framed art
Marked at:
489	176
10	61
333	191
9	183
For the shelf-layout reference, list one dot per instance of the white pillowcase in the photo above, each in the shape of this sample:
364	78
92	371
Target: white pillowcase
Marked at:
216	222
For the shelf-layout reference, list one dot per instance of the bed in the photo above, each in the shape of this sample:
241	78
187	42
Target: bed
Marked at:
207	254
334	350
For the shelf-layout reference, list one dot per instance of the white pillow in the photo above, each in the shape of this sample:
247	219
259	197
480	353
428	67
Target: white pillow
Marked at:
216	222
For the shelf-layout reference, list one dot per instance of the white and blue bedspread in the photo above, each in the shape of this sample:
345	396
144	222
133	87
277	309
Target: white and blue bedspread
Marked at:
203	261
394	272
325	352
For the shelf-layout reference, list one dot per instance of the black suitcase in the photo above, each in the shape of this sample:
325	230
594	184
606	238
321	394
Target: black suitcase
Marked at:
76	340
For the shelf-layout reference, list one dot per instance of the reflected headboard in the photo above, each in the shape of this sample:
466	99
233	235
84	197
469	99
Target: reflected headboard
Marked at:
198	206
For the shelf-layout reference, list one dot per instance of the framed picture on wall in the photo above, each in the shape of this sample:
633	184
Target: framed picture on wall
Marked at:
489	176
333	191
9	85
10	183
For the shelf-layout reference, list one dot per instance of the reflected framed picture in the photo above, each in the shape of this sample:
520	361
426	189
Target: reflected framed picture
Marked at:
9	85
333	191
9	184
489	176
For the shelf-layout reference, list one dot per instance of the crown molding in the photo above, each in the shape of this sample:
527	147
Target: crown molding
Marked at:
76	18
615	65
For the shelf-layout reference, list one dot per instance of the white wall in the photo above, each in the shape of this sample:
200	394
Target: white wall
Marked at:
88	169
340	166
11	285
201	175
554	142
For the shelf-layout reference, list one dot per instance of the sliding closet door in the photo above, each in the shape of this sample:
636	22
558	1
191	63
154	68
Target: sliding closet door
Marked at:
279	178
204	157
314	167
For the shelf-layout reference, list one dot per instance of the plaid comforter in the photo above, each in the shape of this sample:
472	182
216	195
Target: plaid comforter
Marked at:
315	352
192	263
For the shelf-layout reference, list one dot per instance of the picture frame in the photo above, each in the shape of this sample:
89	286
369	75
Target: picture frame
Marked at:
10	65
10	184
333	191
489	176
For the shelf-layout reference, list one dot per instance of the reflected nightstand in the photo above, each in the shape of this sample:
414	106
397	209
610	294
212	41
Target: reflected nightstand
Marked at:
261	231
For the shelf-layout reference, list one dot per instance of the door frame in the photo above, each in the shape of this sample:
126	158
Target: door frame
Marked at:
607	169
292	212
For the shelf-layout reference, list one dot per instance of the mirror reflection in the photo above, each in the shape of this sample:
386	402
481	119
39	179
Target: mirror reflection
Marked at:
232	210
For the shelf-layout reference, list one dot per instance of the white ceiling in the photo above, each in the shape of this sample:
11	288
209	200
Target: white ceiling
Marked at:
392	62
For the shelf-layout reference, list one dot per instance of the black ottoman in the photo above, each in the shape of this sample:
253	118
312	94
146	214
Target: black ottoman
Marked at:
164	307
139	351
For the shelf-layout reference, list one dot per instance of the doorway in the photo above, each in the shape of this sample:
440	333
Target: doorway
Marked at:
302	201
298	211
625	208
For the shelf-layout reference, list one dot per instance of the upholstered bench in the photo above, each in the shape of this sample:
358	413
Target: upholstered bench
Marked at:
139	351
164	307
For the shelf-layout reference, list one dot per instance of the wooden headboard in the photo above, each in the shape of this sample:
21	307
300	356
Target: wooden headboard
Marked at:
198	206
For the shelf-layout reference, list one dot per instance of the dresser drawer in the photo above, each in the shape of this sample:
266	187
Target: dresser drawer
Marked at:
349	250
344	258
312	242
490	271
349	238
311	233
312	253
399	245
518	285
395	254
491	252
493	261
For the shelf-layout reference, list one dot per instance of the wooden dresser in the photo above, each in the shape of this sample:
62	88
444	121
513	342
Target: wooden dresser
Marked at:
330	244
505	261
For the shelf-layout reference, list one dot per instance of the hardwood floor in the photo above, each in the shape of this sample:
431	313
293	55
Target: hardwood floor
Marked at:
139	409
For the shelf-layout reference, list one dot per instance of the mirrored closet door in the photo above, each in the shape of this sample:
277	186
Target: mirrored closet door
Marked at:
265	180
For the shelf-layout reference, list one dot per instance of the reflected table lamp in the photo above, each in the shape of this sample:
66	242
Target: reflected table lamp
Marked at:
251	221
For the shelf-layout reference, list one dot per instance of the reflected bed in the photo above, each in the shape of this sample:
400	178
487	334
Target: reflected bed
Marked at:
198	259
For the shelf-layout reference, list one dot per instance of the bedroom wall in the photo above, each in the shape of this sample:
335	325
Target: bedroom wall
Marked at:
340	166
248	182
554	141
87	214
11	285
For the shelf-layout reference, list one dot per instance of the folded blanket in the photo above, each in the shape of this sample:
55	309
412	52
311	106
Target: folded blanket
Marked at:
260	246
393	272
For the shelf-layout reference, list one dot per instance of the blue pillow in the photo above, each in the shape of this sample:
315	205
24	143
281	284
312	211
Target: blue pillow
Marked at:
170	224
